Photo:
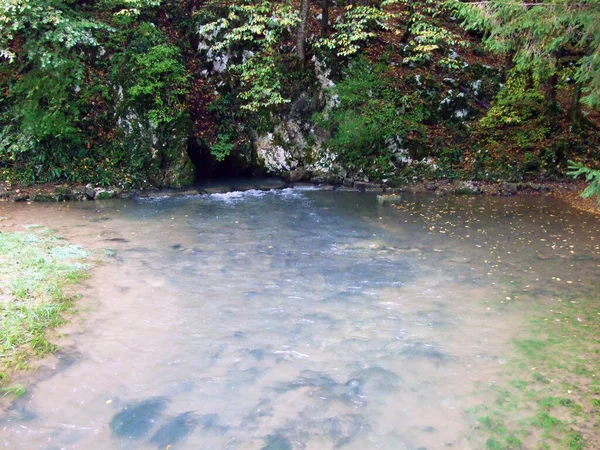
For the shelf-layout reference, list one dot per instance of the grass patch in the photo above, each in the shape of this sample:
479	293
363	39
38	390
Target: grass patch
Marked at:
549	394
35	266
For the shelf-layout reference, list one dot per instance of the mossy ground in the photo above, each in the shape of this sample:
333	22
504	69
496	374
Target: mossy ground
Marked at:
549	394
35	268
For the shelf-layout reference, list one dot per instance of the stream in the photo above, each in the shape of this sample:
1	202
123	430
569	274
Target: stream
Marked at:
294	318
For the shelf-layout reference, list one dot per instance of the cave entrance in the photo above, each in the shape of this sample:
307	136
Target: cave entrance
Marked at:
209	169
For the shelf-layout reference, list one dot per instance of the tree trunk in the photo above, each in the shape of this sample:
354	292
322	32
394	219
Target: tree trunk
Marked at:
324	17
551	90
575	109
509	63
302	30
552	84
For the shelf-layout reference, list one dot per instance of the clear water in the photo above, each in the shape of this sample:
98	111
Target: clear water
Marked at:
294	319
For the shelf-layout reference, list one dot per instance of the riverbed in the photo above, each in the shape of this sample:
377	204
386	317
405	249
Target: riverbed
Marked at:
295	318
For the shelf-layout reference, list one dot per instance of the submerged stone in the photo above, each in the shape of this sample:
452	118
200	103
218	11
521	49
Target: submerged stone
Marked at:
324	385
277	442
136	419
20	414
308	378
176	429
376	379
211	422
425	351
257	353
344	429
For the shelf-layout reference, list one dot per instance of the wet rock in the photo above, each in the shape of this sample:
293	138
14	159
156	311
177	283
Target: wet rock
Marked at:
63	193
326	179
466	188
82	193
277	442
363	186
43	196
103	194
300	174
136	419
176	429
508	189
20	197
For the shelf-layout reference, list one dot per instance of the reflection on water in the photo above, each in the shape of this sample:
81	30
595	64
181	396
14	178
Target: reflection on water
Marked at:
295	319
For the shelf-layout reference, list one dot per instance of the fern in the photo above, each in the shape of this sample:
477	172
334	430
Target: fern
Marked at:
592	177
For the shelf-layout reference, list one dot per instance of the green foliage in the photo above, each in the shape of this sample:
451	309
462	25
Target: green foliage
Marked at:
223	147
542	39
361	24
155	78
371	117
127	10
592	177
43	122
52	31
427	37
515	105
257	28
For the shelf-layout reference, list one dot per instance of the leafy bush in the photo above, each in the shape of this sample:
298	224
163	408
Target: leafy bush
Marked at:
153	75
371	120
256	29
592	176
361	24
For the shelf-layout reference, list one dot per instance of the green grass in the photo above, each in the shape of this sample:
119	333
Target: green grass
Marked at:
35	266
548	396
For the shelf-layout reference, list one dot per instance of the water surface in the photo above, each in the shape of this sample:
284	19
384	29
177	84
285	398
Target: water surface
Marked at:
295	319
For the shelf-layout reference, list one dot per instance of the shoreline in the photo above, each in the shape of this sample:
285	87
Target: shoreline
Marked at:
568	191
65	192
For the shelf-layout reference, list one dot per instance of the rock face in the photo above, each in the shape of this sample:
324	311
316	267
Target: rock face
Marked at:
296	146
296	142
162	149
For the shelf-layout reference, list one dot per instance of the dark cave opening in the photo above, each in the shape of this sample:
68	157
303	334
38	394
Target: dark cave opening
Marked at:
208	168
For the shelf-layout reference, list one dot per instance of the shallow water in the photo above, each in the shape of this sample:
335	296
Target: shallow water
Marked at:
295	319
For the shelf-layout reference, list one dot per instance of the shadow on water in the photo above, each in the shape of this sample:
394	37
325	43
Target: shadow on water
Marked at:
295	319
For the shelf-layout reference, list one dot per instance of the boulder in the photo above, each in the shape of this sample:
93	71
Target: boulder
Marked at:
103	194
